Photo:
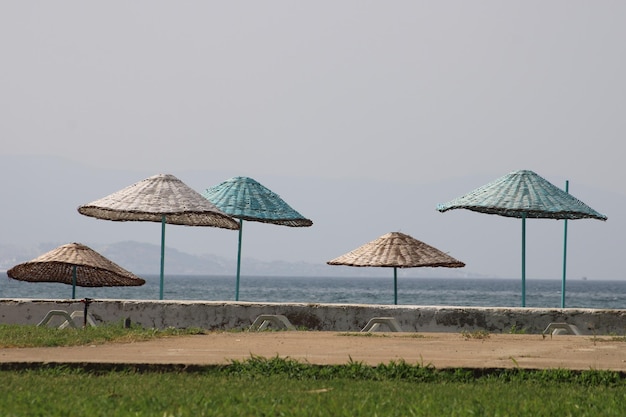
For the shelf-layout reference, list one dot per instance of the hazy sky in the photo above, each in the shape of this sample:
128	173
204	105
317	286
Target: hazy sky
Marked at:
409	93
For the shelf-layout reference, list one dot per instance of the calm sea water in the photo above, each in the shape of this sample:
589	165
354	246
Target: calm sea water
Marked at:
411	291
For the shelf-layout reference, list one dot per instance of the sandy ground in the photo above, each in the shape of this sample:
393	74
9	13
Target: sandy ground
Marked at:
440	350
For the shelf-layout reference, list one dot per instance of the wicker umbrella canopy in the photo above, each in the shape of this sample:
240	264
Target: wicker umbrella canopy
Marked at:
397	250
524	194
246	199
153	198
74	264
161	198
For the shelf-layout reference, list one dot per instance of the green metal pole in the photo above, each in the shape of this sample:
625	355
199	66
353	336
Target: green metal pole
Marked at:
523	259
564	254
73	282
162	255
238	260
395	285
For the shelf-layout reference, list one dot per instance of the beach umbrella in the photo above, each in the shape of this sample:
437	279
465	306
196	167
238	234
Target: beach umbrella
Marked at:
526	195
161	198
397	250
245	199
77	265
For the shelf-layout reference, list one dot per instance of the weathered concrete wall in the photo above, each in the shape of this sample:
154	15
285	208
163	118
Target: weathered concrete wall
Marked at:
333	317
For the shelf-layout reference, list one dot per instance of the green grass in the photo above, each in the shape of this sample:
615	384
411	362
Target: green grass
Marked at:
12	336
283	387
517	330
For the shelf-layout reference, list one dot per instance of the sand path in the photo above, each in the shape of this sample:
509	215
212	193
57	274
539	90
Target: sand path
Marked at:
437	349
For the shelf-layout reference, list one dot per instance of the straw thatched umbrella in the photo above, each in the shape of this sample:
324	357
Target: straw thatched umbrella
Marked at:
74	264
397	250
245	199
161	198
524	194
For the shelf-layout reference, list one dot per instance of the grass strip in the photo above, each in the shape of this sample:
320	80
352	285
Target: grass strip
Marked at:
17	336
285	387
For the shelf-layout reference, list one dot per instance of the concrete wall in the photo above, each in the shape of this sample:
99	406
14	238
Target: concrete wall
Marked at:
330	317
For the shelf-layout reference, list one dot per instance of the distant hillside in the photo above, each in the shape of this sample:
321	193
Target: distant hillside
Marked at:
144	258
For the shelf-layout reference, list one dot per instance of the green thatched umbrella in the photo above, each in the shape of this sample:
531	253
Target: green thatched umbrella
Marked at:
524	194
245	199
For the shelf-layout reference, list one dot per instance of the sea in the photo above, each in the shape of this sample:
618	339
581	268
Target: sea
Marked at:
475	292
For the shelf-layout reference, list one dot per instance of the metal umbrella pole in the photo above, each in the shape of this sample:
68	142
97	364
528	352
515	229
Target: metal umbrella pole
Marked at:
162	257
86	301
395	285
74	279
523	259
564	255
238	260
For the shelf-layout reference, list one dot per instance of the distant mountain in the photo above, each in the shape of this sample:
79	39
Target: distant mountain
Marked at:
145	258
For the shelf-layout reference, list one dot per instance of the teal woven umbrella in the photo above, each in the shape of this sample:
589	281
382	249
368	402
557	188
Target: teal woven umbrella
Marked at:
245	199
524	194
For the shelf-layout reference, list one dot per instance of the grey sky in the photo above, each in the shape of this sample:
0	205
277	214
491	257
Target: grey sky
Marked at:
367	93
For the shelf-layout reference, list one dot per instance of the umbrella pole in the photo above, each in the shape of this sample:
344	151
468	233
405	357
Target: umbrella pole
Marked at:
162	256
85	312
523	259
564	254
238	260
395	285
73	282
